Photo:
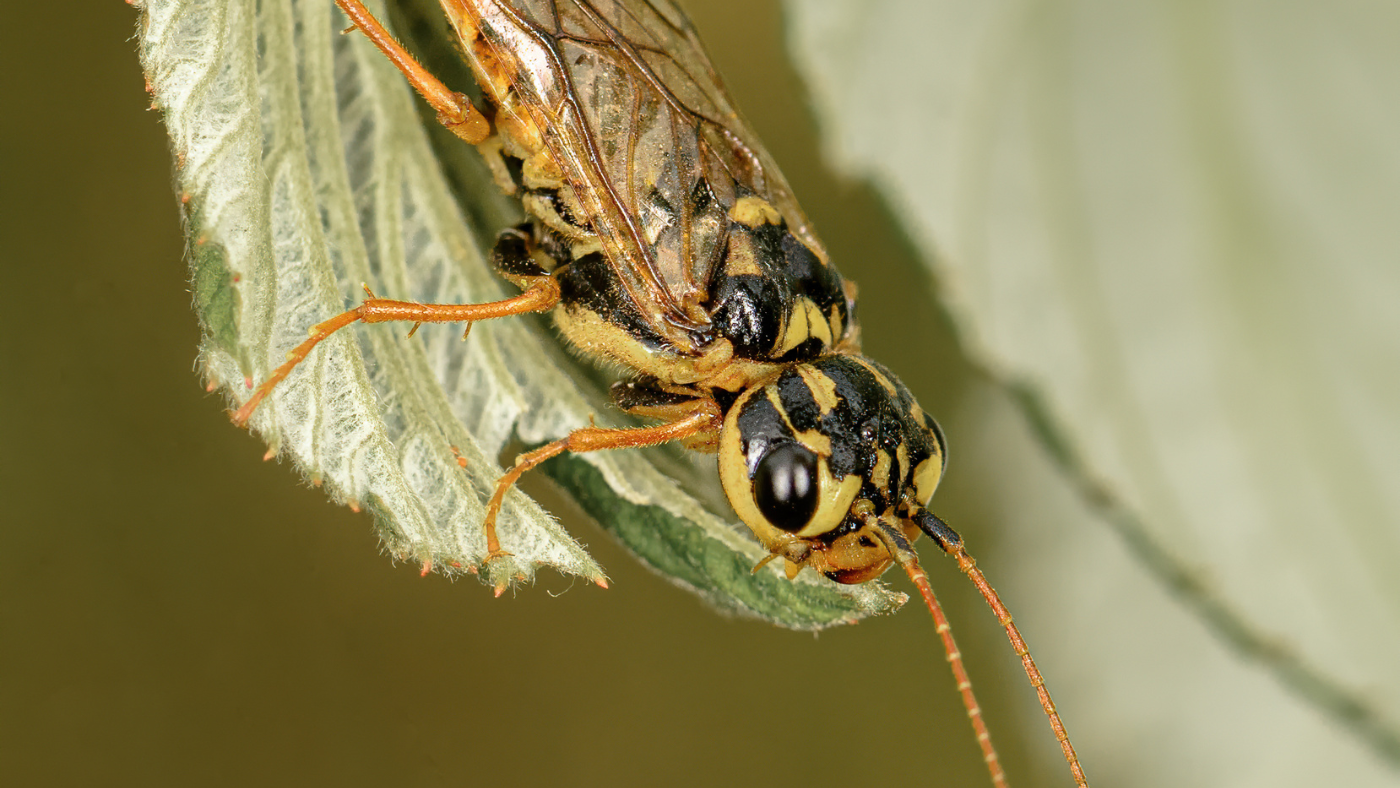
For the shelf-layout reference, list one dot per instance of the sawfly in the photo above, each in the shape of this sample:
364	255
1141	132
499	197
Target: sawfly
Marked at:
662	238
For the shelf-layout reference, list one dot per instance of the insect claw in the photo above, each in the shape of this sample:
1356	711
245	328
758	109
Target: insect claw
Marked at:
368	291
468	331
494	555
763	563
413	331
427	567
602	582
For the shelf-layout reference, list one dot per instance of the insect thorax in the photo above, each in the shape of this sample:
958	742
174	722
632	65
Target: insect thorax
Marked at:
769	302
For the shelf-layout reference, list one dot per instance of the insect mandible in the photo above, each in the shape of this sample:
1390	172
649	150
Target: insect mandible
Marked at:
663	238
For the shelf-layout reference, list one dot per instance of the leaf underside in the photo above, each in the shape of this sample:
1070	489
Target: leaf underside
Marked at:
305	171
1169	228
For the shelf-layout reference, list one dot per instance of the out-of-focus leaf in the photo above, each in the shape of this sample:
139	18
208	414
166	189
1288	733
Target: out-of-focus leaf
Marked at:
1172	227
306	171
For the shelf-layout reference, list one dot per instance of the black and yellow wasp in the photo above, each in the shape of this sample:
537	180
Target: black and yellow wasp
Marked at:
662	237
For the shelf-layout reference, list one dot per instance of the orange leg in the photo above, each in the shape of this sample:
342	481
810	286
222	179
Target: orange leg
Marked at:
707	418
454	110
541	294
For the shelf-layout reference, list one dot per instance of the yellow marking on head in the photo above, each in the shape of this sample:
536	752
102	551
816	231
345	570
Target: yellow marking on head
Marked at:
753	211
917	413
814	440
734	477
818	443
771	392
823	388
879	376
926	478
880	475
834	500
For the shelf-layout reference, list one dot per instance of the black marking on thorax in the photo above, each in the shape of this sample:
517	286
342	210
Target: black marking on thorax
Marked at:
767	274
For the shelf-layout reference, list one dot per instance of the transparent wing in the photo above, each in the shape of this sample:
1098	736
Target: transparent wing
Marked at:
631	109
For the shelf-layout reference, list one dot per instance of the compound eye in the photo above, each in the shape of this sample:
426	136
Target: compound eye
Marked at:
785	486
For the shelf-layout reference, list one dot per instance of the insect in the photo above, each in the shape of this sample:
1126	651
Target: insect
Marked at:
662	237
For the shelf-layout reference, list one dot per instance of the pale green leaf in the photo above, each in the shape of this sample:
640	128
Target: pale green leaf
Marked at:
306	171
1172	229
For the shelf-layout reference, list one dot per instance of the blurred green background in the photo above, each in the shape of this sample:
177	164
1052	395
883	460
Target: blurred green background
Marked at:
175	611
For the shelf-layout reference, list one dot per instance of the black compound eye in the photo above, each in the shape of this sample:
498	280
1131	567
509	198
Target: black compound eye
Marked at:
785	486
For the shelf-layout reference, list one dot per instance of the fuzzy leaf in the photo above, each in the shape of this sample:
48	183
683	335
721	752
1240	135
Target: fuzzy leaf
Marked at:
1171	229
306	170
